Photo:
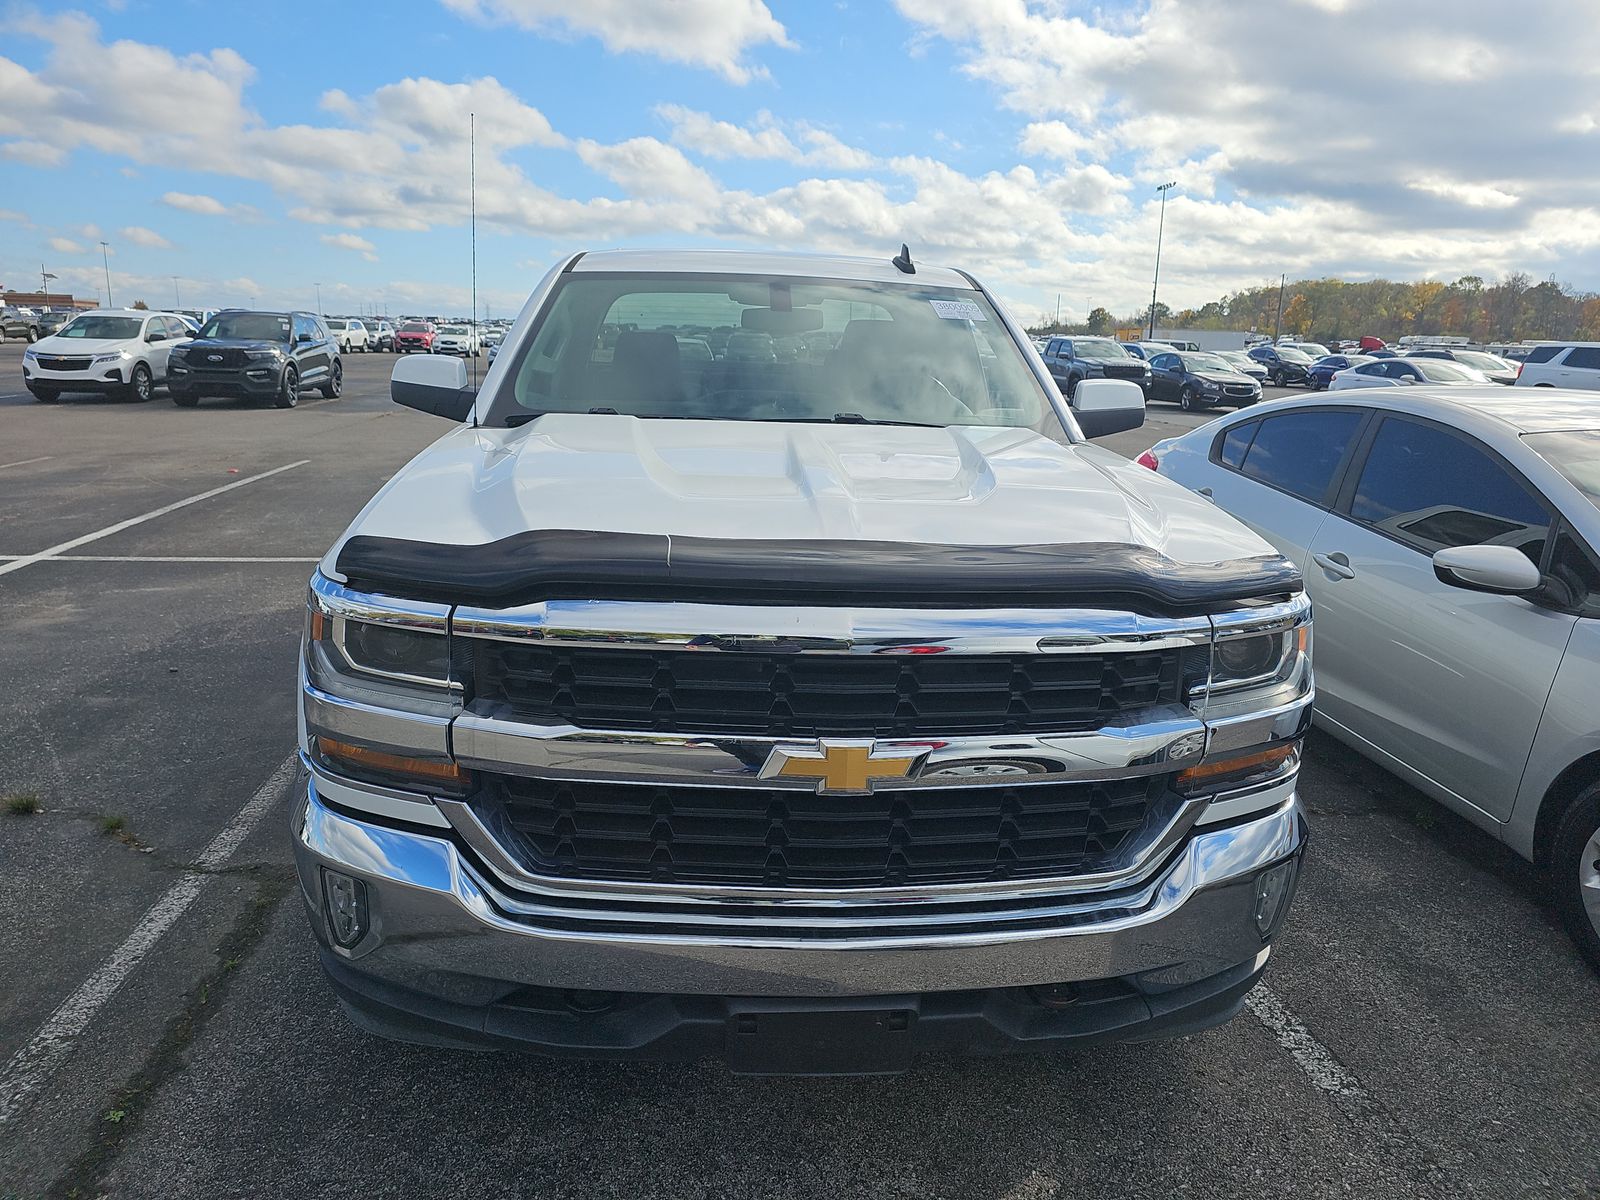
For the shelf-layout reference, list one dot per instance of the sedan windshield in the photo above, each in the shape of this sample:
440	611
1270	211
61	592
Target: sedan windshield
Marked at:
1576	454
780	350
1436	370
1208	362
248	327
1289	354
1098	348
454	330
103	329
413	327
1478	360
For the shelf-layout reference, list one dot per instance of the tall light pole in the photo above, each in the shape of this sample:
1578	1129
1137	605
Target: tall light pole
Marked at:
105	257
1277	324
44	281
1161	228
318	286
177	300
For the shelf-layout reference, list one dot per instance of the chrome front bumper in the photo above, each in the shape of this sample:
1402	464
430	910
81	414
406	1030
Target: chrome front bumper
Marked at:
445	925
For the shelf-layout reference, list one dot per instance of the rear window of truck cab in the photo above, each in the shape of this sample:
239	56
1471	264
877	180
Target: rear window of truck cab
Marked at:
780	349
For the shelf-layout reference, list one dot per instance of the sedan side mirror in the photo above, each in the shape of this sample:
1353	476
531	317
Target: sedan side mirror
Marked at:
1107	406
1499	570
434	384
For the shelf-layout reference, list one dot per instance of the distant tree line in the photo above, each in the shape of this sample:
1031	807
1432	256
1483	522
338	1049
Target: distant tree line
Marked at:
1512	310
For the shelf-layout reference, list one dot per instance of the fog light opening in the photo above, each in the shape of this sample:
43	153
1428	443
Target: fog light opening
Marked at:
345	899
1274	886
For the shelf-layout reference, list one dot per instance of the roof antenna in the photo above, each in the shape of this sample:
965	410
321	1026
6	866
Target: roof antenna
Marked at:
903	260
472	329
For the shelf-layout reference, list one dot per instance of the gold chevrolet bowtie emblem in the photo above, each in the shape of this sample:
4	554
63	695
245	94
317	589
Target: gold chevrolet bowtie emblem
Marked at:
840	766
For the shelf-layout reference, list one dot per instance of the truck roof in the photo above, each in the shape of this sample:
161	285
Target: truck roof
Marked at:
747	262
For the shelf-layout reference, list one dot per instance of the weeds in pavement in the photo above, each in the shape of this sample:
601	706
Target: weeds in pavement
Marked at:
23	804
113	824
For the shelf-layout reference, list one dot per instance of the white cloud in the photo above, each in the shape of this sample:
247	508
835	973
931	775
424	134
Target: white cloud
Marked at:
33	154
350	241
63	245
765	137
715	34
140	236
205	206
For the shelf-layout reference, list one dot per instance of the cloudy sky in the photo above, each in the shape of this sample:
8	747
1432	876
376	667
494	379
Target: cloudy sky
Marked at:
254	151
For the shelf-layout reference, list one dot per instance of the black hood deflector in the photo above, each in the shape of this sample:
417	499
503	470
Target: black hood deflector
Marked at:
563	564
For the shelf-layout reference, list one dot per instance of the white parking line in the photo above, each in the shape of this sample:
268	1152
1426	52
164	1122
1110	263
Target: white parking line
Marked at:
54	551
1315	1059
38	1058
22	462
161	558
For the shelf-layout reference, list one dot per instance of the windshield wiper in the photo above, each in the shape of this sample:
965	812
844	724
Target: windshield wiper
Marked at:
850	418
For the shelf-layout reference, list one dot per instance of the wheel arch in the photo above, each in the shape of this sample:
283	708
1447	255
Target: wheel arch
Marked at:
1562	791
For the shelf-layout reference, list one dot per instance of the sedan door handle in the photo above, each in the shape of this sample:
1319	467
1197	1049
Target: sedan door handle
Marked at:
1335	564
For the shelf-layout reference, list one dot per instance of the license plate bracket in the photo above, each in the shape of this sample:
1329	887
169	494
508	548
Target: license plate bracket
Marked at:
855	1041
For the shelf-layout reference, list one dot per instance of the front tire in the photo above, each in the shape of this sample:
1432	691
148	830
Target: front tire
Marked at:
184	399
1187	400
1277	379
142	386
33	334
288	394
335	383
1575	869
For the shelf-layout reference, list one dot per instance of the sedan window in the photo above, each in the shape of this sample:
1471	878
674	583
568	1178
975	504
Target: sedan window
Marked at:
1432	489
1300	452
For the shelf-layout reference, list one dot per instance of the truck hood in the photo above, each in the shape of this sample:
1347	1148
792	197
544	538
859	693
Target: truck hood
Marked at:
777	482
77	347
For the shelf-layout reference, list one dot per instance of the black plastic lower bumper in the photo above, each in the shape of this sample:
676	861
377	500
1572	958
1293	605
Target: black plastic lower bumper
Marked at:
863	1035
220	384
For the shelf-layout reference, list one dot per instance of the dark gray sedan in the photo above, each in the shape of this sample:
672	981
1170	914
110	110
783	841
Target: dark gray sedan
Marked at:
1200	380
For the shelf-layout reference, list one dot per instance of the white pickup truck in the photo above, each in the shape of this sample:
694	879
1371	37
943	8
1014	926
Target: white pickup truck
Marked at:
810	703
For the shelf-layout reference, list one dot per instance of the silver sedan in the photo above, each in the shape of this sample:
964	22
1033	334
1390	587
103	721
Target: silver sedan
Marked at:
1448	537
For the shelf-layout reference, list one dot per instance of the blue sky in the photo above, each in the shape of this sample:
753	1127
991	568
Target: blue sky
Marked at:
1021	139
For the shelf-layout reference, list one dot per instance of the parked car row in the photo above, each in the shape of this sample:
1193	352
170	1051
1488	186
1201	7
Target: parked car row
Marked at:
244	354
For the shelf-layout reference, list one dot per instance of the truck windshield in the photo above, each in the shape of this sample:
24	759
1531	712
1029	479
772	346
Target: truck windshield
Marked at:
779	350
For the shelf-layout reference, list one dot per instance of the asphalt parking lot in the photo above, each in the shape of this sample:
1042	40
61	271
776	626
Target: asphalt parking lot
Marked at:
1426	1029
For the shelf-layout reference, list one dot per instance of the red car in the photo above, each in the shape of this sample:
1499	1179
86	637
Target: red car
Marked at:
414	335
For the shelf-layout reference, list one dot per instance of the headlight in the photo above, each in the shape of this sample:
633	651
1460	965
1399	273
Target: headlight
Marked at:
119	356
1258	658
260	355
379	678
29	353
1210	385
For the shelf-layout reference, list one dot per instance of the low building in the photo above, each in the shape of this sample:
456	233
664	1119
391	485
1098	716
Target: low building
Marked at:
52	300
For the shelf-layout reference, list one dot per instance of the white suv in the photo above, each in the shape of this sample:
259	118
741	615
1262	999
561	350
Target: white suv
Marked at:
350	333
122	351
1562	364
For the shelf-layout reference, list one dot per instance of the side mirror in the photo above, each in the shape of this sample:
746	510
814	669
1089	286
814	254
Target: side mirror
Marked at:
301	338
434	384
1499	570
155	335
1107	406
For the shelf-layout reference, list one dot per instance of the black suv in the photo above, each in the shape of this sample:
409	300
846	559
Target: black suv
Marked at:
267	355
1284	364
1074	359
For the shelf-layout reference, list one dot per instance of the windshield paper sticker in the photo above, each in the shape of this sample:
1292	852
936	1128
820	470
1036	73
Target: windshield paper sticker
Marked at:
958	310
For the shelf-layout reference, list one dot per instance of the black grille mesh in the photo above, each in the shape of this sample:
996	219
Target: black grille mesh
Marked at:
684	691
778	838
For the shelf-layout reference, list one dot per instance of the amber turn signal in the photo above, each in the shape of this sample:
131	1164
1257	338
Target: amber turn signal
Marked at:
1240	766
363	759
